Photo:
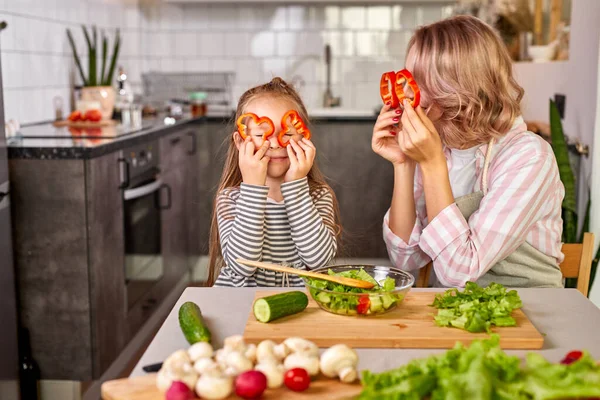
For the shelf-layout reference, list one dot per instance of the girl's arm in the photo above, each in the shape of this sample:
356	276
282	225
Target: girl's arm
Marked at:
315	240
403	224
241	226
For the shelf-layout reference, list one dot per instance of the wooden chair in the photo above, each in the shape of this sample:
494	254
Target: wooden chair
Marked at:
577	264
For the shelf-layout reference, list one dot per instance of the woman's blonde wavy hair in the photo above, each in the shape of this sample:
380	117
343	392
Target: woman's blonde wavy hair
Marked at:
465	71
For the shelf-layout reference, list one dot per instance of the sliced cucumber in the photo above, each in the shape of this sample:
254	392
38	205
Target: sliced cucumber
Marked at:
388	300
376	303
324	298
280	305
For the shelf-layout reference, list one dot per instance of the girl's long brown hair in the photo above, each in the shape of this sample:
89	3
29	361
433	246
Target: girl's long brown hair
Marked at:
232	176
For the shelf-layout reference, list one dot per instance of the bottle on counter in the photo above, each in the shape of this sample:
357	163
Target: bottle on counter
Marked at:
124	99
29	372
198	104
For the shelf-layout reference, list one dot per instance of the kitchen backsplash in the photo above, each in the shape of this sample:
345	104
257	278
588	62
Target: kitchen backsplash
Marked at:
256	42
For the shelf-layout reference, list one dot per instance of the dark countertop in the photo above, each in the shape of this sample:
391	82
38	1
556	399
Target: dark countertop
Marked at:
45	141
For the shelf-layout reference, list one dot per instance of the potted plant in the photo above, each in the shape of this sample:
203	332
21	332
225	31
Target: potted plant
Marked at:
98	87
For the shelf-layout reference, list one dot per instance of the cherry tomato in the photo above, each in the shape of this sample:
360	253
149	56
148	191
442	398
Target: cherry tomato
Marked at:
571	357
363	305
93	115
75	116
297	379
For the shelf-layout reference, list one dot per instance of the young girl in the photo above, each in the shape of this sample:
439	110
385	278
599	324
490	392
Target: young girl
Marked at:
273	203
474	192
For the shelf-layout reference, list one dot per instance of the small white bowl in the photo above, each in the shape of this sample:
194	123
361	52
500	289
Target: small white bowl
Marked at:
542	53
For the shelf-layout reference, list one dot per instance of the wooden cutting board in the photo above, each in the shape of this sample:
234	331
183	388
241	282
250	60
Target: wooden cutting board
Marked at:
85	124
410	325
144	388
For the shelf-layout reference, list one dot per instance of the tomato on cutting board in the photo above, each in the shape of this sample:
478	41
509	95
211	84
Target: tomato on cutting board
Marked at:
93	115
297	379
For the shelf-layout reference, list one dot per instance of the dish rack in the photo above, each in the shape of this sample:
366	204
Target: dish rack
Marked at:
161	88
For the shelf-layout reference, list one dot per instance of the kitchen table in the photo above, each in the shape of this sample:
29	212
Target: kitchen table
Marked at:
567	319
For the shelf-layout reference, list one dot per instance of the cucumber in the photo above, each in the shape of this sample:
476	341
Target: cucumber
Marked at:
280	305
388	300
376	303
324	298
192	324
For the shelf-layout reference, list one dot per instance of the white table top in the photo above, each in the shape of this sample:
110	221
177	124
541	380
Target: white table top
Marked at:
565	316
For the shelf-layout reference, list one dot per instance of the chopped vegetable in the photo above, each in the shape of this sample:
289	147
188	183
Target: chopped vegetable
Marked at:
571	357
484	372
279	305
377	300
477	309
296	122
297	379
404	77
386	89
250	385
242	125
192	324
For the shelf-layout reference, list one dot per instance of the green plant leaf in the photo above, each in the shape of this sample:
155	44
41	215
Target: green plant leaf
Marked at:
91	81
93	59
104	55
561	152
76	56
113	62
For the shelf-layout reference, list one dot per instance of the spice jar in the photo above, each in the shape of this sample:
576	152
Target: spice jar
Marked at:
198	101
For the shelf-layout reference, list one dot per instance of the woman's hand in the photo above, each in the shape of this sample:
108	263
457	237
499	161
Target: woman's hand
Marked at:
254	165
302	156
418	138
385	140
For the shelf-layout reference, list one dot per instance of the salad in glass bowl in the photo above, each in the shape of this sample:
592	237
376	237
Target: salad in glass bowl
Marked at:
391	286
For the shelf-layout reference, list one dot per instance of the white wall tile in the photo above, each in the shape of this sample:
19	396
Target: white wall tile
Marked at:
131	17
300	44
12	72
23	37
11	104
249	17
277	17
210	45
198	65
223	65
171	17
379	17
314	18
370	43
307	68
333	17
366	95
8	37
354	17
297	18
185	44
351	71
170	64
221	17
262	44
342	43
195	17
431	14
273	67
237	44
406	17
249	71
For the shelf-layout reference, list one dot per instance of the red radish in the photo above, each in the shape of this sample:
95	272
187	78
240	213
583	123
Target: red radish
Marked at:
297	379
251	384
179	391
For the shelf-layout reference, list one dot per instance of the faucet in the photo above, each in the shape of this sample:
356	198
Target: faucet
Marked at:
328	99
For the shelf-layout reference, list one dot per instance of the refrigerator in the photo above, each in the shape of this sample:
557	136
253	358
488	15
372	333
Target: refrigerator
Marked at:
9	350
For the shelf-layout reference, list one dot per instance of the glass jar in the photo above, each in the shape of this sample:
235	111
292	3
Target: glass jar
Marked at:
198	102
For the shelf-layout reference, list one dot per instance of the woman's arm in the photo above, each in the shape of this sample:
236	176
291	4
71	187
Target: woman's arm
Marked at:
314	239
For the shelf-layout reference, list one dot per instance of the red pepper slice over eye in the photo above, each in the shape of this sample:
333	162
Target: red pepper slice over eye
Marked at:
262	120
405	77
297	122
363	304
386	89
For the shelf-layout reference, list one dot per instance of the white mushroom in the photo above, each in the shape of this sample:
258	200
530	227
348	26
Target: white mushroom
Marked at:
237	363
250	352
214	387
221	357
281	351
340	361
303	360
200	350
176	368
235	343
299	345
266	352
274	372
204	365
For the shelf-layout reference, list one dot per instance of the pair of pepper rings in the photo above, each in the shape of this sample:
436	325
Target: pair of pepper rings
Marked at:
396	94
292	115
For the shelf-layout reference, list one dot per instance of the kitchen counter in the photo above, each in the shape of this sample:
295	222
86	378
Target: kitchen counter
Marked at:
566	318
45	141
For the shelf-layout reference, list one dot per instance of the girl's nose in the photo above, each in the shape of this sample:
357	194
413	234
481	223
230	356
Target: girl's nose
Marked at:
274	143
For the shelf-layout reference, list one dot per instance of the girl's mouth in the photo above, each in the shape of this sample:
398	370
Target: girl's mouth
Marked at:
278	159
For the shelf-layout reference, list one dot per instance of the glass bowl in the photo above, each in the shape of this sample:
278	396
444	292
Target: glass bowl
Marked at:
362	304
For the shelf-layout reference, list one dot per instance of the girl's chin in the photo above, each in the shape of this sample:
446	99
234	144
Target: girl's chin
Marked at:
278	160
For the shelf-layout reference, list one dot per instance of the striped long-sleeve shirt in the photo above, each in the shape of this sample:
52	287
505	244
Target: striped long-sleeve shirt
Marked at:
296	231
523	204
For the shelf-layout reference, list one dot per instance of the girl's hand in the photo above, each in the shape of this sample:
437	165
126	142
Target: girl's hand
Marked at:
418	138
385	141
254	165
301	155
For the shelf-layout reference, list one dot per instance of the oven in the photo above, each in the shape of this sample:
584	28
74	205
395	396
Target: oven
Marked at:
144	197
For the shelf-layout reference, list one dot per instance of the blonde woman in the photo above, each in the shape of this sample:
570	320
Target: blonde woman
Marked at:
474	191
273	203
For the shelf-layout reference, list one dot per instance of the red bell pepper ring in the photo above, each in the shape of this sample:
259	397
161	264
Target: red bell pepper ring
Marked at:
405	77
363	304
262	120
387	89
296	122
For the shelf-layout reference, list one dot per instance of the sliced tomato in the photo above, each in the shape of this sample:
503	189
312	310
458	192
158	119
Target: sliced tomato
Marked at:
363	304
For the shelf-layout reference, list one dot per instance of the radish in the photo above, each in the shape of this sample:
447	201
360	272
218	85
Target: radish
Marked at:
251	385
179	391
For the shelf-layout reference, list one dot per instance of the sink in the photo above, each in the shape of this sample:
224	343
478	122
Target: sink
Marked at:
340	112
